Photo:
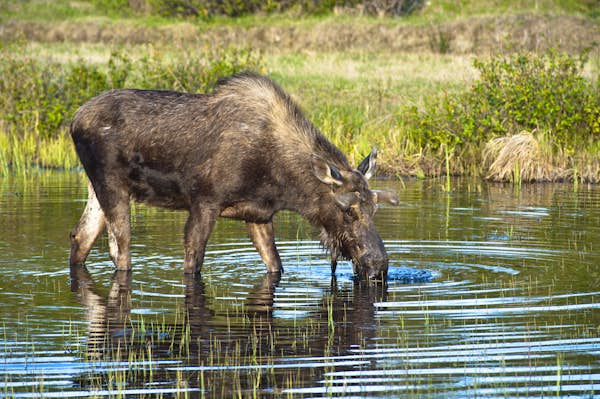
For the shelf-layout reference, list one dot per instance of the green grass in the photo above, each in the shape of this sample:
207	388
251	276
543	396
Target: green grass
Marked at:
450	9
45	10
439	10
40	94
358	99
360	93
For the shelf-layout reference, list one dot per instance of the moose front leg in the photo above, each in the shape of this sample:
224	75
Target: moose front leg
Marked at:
197	230
263	238
90	226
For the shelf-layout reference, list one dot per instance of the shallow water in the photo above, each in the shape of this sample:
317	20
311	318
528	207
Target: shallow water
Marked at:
513	309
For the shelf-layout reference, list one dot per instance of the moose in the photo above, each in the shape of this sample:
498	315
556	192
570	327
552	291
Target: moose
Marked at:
243	151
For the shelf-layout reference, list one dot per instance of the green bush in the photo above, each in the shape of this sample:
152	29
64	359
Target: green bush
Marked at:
234	8
113	5
39	97
518	92
195	73
529	91
44	95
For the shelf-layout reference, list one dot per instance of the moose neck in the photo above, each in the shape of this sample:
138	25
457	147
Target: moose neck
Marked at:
315	204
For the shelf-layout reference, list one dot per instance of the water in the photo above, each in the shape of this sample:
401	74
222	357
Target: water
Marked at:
512	309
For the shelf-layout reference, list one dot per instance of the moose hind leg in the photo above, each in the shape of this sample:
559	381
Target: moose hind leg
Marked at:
119	233
263	238
91	224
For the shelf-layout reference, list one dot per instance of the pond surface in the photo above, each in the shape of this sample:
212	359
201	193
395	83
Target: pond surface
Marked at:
512	309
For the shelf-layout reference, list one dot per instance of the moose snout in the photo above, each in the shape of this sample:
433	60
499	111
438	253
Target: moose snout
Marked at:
373	267
372	262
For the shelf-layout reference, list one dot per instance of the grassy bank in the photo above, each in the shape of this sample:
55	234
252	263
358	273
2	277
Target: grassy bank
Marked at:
42	94
424	89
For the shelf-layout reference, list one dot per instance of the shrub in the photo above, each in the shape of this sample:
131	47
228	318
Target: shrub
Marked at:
545	92
197	72
234	8
530	91
391	7
39	97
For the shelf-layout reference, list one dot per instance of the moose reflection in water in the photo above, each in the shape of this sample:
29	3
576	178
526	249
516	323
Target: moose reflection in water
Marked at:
107	316
223	352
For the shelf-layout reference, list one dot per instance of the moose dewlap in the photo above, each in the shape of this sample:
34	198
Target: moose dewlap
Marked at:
244	151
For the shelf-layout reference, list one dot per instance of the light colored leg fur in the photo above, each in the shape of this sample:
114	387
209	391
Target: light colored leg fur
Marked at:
91	224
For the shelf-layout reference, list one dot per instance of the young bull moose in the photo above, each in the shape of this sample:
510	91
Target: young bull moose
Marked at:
244	151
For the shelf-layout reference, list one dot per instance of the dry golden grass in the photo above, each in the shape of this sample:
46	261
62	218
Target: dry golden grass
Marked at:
471	35
518	158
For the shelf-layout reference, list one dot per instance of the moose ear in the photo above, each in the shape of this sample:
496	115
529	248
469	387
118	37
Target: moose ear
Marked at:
386	196
325	172
368	165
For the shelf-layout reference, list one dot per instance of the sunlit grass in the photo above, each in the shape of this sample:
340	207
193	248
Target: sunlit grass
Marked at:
21	154
358	97
58	152
441	10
